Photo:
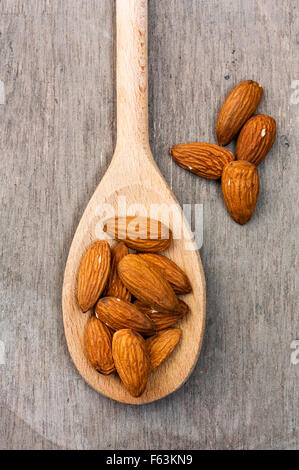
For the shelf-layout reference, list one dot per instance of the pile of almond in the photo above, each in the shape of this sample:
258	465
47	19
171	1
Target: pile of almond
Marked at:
133	298
255	138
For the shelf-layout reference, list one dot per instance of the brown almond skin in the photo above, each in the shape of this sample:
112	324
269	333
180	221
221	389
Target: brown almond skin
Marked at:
161	346
139	233
131	360
118	314
98	345
240	188
173	274
256	139
163	320
205	160
115	287
238	107
93	274
147	284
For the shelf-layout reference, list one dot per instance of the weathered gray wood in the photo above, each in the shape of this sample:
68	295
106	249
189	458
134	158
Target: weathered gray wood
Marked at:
56	139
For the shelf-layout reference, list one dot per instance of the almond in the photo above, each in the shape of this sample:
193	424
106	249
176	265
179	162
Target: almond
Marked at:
240	187
173	274
239	106
205	160
163	320
131	360
147	284
98	345
115	287
161	345
118	314
256	139
139	233
93	274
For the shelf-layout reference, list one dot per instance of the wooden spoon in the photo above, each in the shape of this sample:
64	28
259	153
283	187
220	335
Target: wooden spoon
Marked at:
133	175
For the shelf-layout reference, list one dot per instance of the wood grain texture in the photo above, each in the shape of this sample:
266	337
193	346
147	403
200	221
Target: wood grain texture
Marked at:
57	135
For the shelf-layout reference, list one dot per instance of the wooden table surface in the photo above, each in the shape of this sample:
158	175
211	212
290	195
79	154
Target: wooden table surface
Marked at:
57	136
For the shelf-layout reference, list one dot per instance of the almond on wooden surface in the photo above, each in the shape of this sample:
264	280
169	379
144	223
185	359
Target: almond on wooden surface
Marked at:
98	345
238	107
93	274
139	233
131	360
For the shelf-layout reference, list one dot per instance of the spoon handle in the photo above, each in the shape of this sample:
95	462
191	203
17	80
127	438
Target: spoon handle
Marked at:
132	74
